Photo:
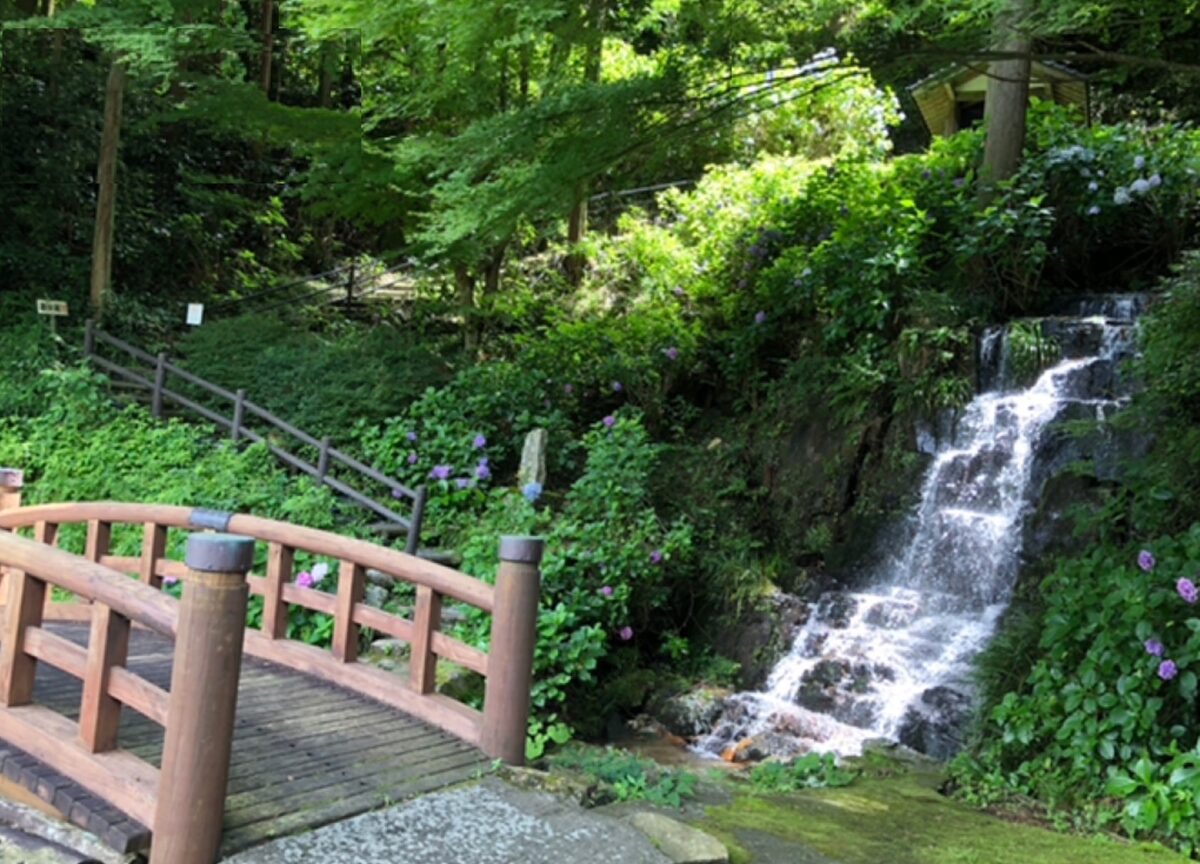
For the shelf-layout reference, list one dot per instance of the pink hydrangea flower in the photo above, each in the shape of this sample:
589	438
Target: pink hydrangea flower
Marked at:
626	633
304	579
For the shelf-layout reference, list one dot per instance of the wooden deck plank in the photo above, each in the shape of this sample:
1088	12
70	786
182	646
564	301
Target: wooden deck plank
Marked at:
305	751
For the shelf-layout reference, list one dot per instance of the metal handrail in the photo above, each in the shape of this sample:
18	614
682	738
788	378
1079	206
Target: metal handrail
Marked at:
235	424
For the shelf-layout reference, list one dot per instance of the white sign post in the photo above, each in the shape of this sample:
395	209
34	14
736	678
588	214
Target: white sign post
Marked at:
195	314
53	309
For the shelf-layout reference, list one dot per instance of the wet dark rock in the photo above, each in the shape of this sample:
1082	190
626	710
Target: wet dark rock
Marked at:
693	713
761	637
936	723
836	609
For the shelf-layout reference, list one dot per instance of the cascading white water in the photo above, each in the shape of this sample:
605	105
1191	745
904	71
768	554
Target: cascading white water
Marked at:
893	660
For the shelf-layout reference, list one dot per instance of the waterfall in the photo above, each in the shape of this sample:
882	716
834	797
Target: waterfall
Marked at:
893	659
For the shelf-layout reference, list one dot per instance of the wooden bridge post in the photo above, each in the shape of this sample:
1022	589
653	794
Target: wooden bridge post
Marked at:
204	686
11	483
510	664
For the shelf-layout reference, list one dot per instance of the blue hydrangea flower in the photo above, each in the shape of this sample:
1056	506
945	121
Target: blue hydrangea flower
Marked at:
441	472
1167	670
1145	560
532	491
1121	196
1154	648
1139	162
1140	186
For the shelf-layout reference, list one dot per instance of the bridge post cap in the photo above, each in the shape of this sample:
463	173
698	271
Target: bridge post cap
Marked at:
220	553
522	550
12	478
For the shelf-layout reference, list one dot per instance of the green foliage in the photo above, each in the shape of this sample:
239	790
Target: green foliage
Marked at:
1030	351
1164	487
810	771
323	383
608	575
1109	708
624	776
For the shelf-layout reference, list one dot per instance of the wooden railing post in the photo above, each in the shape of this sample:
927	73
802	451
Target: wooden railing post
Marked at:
239	414
160	383
323	457
89	339
510	661
204	685
12	481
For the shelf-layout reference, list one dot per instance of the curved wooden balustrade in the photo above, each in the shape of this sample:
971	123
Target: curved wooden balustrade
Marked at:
433	582
112	602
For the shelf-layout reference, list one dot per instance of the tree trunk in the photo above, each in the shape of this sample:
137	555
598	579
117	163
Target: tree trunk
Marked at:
1007	96
577	222
329	58
267	33
106	179
464	284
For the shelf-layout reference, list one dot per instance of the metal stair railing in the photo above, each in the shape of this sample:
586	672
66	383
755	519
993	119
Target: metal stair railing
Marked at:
156	379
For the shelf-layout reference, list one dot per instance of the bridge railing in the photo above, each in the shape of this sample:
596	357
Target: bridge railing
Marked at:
104	595
86	750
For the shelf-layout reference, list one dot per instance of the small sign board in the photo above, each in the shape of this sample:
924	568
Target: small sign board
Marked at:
195	314
57	308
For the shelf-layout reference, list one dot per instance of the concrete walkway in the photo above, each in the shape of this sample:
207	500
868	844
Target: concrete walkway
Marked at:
486	823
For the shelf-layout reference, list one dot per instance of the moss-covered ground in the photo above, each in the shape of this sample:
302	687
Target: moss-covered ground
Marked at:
898	817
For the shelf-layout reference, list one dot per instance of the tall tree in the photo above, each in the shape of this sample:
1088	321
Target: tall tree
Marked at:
106	185
1007	99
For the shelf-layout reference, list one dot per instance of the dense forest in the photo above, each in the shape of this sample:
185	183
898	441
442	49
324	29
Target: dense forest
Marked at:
713	247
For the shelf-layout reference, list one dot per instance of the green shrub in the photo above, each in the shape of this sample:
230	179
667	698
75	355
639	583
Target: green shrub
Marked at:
810	771
324	383
1109	709
624	776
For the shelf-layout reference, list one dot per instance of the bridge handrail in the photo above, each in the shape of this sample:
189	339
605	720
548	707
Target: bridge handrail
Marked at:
499	729
400	565
115	602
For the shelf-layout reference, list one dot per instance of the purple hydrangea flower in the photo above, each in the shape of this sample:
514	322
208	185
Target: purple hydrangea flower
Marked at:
1145	560
617	387
1187	590
609	421
532	491
305	579
462	482
397	493
959	181
1154	648
678	291
760	317
479	442
170	580
606	591
1167	670
626	633
672	353
656	556
482	471
411	436
441	472
412	458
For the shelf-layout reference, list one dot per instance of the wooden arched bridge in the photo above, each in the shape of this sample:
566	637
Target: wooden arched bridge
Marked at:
169	724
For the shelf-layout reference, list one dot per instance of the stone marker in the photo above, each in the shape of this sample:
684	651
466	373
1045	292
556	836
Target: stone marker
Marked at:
533	459
681	843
